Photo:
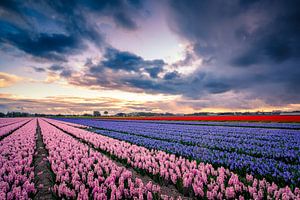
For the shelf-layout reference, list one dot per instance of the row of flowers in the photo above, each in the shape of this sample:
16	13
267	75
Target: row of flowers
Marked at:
196	179
9	121
240	150
82	172
75	125
11	127
16	156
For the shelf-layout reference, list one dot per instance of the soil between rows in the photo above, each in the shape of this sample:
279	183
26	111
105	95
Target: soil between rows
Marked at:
43	173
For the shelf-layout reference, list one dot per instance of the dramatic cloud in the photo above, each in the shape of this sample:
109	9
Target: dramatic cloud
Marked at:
60	30
123	60
251	57
129	72
7	80
39	69
124	21
252	46
52	77
43	45
171	75
56	68
236	54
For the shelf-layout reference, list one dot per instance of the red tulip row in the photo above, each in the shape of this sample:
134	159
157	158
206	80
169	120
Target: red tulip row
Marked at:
253	118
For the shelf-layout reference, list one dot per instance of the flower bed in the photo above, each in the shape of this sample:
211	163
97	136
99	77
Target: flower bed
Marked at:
16	155
9	128
196	179
82	172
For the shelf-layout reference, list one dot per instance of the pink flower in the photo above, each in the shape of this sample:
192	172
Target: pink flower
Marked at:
149	186
220	196
260	194
230	193
251	190
149	196
174	178
241	197
198	191
209	195
249	178
2	195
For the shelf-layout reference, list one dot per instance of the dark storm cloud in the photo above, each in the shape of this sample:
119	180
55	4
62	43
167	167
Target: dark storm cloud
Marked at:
39	69
62	27
277	41
268	30
171	75
124	21
66	73
253	46
154	71
63	71
10	5
50	46
127	61
116	59
56	67
217	87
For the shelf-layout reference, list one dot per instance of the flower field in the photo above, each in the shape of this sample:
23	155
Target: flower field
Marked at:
111	159
268	153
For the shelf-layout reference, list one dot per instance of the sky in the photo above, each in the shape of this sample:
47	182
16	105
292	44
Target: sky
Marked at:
74	57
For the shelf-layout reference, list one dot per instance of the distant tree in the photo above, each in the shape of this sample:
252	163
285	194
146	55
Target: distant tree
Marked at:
96	114
17	114
9	114
120	114
2	114
169	114
105	113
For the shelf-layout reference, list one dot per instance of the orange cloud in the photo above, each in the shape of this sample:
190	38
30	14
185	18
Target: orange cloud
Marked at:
7	80
52	77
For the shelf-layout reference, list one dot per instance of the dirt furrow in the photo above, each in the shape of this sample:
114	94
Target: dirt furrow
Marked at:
42	170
